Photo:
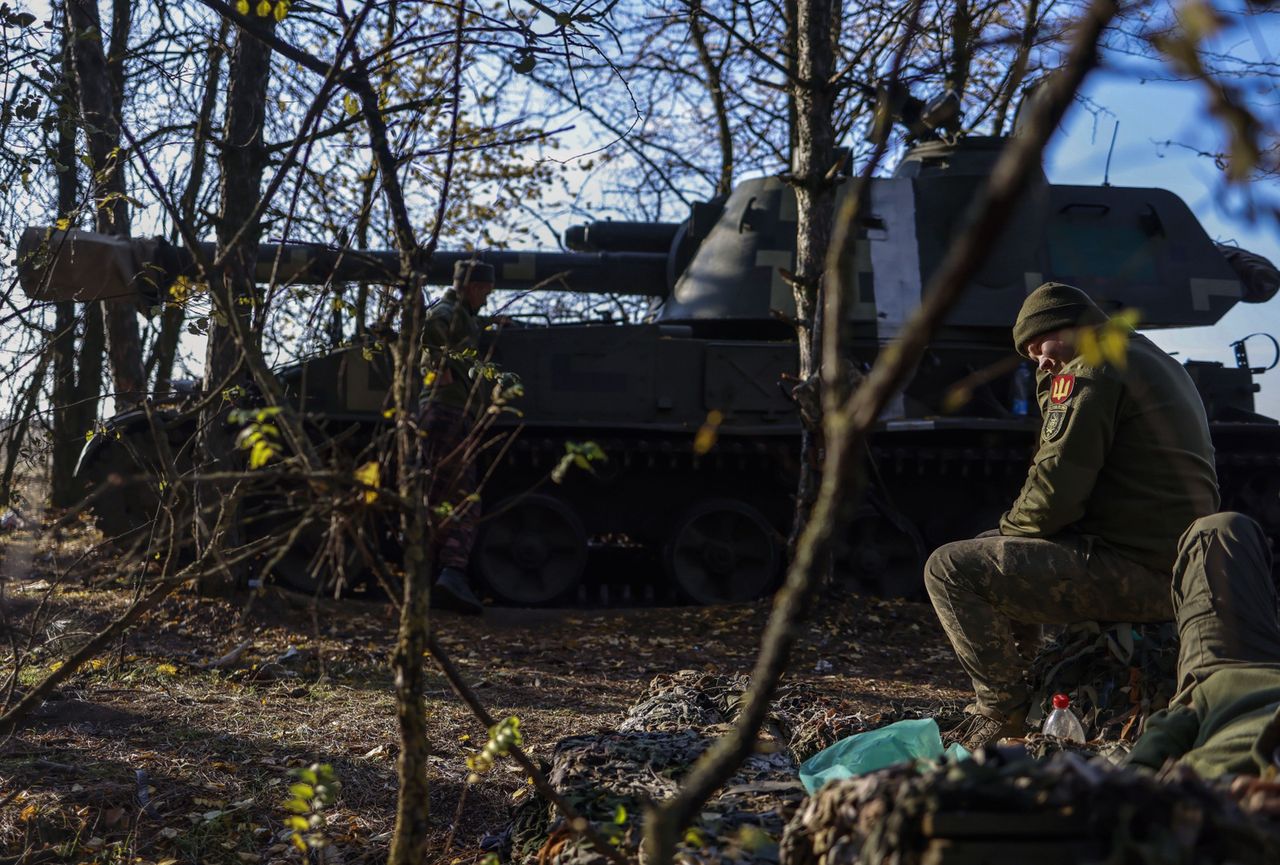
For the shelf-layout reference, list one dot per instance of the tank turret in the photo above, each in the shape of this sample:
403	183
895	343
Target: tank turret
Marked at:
1128	247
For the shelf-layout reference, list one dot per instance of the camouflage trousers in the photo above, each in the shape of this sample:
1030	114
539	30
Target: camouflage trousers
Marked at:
986	589
453	478
1224	598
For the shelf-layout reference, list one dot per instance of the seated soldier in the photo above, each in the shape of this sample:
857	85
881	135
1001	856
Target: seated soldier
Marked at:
1225	719
1124	465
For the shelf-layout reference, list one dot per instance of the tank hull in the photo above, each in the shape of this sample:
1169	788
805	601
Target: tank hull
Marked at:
643	394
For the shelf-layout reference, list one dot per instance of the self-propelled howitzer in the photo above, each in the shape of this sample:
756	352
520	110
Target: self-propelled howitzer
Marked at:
717	352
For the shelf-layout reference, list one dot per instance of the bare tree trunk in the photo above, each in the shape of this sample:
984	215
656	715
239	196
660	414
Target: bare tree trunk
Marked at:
21	416
715	86
66	440
100	86
68	414
166	347
367	187
791	13
93	347
817	29
233	289
412	827
962	37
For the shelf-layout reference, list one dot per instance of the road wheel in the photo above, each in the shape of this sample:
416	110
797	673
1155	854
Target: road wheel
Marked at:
882	557
723	551
532	550
123	471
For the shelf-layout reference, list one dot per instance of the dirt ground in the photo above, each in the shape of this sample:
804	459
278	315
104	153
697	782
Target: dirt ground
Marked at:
155	755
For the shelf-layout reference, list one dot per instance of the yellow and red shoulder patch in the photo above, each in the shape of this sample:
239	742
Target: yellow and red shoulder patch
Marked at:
1061	387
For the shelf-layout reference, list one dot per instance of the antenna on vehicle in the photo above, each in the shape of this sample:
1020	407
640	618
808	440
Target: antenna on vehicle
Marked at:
1106	172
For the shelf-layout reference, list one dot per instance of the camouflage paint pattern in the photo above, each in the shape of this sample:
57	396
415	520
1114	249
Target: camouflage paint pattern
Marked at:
982	587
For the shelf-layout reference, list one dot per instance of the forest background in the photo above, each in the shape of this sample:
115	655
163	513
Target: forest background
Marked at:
418	125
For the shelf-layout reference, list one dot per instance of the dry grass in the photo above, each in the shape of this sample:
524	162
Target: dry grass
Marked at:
210	750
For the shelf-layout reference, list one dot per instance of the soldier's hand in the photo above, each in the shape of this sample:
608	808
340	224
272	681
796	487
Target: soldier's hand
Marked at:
1257	796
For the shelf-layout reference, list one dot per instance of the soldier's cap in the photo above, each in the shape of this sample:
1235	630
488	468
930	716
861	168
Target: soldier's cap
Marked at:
1051	307
472	271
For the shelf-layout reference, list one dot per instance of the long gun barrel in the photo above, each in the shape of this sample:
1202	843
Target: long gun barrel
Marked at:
82	265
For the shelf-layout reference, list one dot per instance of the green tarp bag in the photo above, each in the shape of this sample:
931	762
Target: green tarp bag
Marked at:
900	742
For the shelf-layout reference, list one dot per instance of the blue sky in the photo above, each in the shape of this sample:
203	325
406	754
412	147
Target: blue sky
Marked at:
1149	114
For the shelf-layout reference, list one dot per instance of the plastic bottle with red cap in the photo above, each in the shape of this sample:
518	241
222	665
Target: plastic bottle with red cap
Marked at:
1062	722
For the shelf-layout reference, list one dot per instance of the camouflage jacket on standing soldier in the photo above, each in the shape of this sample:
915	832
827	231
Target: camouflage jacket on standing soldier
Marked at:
1124	454
450	340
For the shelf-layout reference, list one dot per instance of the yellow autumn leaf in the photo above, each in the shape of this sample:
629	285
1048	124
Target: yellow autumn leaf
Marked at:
1128	318
429	379
166	669
956	398
369	474
180	289
242	6
63	224
1088	347
1199	19
1114	342
705	439
281	10
260	454
263	8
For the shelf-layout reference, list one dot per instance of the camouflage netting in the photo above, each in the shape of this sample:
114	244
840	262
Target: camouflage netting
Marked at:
611	777
1116	676
1003	808
1056	805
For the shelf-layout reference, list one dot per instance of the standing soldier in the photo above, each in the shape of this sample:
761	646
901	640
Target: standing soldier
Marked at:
1125	464
451	402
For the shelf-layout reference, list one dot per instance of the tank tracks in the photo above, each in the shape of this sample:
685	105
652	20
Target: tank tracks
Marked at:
658	523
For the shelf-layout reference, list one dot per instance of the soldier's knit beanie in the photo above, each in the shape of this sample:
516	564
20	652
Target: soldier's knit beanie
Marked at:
1051	307
472	271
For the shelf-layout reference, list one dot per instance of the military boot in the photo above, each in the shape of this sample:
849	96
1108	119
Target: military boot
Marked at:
976	730
451	592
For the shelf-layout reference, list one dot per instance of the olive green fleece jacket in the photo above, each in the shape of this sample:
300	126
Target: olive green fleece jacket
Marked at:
1231	726
451	336
1125	456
